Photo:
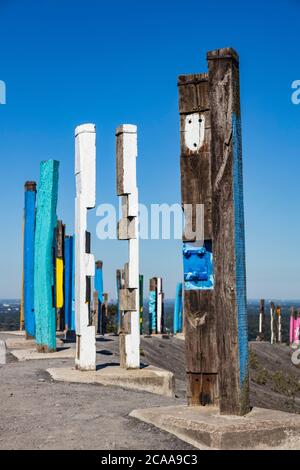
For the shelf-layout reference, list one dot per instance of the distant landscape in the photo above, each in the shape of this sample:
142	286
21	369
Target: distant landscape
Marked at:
10	315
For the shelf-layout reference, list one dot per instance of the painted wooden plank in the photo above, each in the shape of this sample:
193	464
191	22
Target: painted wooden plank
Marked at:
228	231
85	173
46	220
28	259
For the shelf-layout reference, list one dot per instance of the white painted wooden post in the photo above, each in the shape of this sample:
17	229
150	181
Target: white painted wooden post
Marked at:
159	305
128	230
85	173
272	315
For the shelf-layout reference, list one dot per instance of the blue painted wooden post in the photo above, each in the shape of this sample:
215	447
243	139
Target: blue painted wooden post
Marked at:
46	221
98	283
29	232
178	310
68	279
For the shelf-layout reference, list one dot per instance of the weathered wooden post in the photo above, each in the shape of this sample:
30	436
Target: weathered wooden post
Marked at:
46	220
261	327
152	306
141	303
28	260
128	230
99	289
95	309
178	310
120	281
85	171
199	308
279	329
228	231
273	323
68	281
59	275
104	313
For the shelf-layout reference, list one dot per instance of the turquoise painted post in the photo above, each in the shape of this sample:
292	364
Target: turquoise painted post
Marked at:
68	277
153	306
46	221
178	310
29	232
98	283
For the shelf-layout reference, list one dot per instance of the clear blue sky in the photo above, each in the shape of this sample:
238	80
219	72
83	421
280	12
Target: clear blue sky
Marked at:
67	62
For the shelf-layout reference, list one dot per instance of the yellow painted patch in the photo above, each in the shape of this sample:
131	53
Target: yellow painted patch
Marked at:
59	283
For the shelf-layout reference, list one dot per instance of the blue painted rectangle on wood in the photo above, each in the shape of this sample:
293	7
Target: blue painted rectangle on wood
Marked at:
198	266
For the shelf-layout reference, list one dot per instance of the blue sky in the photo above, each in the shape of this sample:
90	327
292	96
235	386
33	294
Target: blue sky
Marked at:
68	62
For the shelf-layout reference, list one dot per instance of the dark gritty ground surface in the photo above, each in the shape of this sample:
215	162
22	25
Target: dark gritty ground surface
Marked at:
37	413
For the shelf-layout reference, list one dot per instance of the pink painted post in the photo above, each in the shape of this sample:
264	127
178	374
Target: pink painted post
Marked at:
297	328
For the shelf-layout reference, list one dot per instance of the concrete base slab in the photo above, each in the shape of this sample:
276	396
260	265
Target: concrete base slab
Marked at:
149	379
30	354
14	332
22	343
205	428
180	336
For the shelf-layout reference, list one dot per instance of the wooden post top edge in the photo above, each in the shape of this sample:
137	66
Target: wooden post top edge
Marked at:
126	129
225	53
30	186
190	79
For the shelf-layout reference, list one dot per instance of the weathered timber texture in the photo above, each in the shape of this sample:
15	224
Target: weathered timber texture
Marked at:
228	231
199	310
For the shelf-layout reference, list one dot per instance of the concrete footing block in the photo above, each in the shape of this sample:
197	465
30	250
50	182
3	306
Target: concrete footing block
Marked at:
31	354
149	379
205	428
22	343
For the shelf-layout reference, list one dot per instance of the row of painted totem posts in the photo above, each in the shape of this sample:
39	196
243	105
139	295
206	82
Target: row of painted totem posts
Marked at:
214	280
276	324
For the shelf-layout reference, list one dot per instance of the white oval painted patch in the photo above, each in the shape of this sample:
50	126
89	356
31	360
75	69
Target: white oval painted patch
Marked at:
194	129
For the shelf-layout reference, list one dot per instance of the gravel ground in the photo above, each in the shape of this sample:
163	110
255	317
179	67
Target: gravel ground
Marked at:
37	413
